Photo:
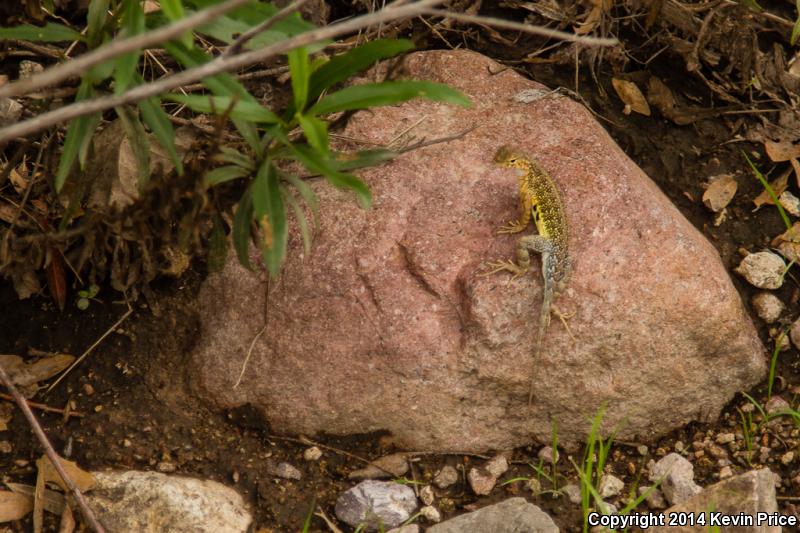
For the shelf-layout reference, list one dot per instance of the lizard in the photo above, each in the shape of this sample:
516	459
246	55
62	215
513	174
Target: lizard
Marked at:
541	201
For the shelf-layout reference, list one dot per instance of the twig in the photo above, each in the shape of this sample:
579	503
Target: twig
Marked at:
87	512
89	349
76	67
213	67
423	143
45	407
308	442
527	28
237	45
257	336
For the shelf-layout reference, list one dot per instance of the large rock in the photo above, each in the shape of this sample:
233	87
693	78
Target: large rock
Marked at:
386	326
514	515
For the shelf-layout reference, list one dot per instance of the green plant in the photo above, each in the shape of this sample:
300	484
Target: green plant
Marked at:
770	191
590	471
85	295
297	133
747	429
774	361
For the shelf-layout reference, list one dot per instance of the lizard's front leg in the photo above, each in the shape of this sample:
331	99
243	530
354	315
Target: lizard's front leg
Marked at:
526	210
536	243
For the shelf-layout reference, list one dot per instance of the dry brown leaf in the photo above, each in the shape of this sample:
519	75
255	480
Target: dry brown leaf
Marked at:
796	168
23	374
14	506
67	524
19	178
26	283
83	480
6	413
630	94
720	192
56	277
660	96
778	185
595	16
393	465
781	151
54	502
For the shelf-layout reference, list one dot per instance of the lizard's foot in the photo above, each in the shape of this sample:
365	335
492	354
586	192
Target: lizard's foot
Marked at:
513	226
563	318
507	265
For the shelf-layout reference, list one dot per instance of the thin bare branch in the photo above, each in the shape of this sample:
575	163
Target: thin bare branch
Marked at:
88	514
76	67
216	66
237	45
527	28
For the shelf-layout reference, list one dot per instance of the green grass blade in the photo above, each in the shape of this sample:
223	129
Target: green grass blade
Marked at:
140	145
769	190
354	61
158	122
316	132
386	93
125	65
78	135
49	33
173	10
249	111
301	221
796	27
235	157
242	222
270	215
224	174
96	21
307	193
300	70
314	162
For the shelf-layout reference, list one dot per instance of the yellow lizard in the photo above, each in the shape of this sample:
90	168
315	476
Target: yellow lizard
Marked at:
539	199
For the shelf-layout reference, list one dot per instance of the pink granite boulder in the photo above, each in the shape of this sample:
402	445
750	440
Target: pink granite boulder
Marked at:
385	326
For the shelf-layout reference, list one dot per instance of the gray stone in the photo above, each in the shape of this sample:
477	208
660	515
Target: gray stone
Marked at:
747	494
514	515
150	502
447	476
677	478
610	486
573	492
377	504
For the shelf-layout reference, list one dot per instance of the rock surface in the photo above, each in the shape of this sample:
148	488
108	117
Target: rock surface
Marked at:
376	504
676	475
387	317
514	515
748	494
150	502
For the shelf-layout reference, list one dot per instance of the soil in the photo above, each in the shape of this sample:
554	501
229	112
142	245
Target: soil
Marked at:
138	416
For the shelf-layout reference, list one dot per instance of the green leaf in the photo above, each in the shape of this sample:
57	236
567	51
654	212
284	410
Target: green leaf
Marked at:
96	21
308	196
249	133
242	219
223	174
364	158
770	191
158	122
217	246
219	105
386	93
796	27
354	61
316	132
314	162
125	65
300	71
752	5
270	215
301	221
140	145
49	33
235	157
227	30
76	141
173	9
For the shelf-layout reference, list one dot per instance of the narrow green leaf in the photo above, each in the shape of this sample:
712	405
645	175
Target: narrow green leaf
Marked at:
125	65
307	193
300	71
219	105
242	221
314	162
249	133
223	174
90	126
137	137
386	93
173	9
316	132
796	27
354	61
217	246
270	215
158	122
235	157
100	72
770	191
49	33
227	30
364	158
301	221
96	21
77	137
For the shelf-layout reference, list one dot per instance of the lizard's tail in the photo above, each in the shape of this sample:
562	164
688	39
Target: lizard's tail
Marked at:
544	321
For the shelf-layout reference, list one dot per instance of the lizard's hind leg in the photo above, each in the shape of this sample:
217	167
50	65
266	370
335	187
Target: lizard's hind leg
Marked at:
563	318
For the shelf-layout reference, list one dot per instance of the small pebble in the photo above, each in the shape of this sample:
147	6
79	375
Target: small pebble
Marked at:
790	202
787	458
447	476
642	450
534	485
610	486
5	447
725	472
426	495
284	470
767	306
312	454
431	514
546	455
763	269
573	492
165	467
679	446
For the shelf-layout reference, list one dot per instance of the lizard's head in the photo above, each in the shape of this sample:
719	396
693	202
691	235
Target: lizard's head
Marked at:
508	157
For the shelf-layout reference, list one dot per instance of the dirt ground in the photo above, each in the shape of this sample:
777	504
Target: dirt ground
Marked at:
137	416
